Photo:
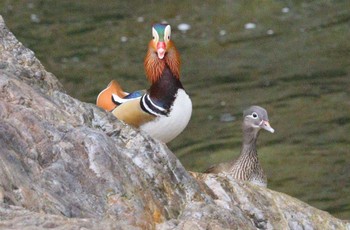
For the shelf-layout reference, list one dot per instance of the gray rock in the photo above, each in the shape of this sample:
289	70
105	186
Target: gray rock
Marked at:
66	164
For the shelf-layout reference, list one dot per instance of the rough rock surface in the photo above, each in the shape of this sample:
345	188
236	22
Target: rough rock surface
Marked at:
65	164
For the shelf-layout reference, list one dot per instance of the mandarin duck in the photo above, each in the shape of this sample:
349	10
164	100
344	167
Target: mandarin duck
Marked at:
164	110
247	166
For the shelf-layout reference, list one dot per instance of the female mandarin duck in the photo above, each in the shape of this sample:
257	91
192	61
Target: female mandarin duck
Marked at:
164	110
247	166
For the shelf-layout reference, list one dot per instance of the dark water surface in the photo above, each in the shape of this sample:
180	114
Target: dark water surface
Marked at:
295	62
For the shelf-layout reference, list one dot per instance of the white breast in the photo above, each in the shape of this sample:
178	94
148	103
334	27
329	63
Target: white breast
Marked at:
166	128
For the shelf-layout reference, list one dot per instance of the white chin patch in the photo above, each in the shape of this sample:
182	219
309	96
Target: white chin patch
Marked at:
161	53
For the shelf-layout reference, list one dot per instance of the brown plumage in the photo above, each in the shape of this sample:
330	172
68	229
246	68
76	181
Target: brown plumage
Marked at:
247	166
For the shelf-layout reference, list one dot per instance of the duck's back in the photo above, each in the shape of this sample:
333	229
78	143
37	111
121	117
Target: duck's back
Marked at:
219	168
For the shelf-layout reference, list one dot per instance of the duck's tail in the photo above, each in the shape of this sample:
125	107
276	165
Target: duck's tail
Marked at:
105	98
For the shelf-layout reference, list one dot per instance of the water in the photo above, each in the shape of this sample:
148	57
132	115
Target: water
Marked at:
294	61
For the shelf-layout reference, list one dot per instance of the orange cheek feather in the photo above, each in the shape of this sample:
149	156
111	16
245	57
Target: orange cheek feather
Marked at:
154	66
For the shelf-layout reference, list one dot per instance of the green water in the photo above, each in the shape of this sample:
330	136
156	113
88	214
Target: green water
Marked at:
296	64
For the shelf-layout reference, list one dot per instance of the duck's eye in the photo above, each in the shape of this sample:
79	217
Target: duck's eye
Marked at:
168	37
255	115
154	38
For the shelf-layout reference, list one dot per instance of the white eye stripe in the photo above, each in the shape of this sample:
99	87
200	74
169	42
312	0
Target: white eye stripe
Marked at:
167	33
155	35
254	115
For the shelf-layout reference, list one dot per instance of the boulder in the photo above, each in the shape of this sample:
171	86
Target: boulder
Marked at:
66	164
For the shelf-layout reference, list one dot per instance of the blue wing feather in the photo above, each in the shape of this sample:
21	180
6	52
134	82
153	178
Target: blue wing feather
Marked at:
135	94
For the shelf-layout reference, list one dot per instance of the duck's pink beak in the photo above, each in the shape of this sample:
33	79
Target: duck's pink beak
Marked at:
266	125
161	47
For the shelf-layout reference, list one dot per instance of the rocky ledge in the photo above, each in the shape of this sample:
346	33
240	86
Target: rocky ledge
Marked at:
66	164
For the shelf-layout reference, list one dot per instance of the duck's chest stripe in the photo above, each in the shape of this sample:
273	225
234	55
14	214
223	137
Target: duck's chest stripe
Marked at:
149	107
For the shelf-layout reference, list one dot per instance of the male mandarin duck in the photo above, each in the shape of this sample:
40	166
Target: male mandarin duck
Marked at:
247	166
164	110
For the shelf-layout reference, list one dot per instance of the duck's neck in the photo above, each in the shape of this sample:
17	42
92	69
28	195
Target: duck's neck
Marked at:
164	75
249	150
163	91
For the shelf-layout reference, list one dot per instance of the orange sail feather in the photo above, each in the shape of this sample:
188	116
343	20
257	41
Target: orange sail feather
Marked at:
104	99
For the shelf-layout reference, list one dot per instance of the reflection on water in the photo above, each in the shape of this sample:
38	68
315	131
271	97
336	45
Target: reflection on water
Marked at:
291	58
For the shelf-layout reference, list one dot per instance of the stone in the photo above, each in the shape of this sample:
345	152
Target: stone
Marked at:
66	164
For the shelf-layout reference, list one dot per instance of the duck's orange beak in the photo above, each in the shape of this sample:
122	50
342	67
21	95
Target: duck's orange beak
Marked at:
161	48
